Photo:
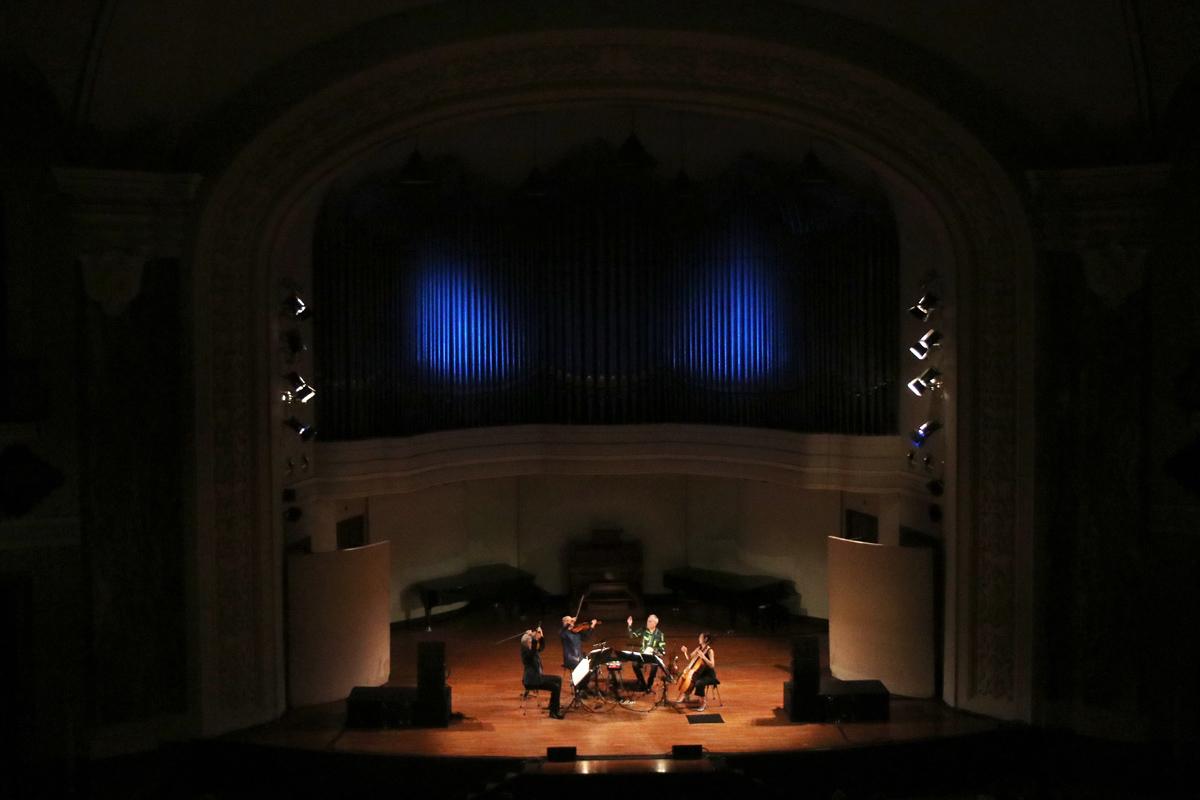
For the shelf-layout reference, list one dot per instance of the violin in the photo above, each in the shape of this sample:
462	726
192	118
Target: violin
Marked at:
580	627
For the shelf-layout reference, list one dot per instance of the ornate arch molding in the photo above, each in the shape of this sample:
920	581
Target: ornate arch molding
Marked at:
238	575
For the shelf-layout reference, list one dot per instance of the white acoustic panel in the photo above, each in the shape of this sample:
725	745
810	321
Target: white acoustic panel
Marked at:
881	615
338	620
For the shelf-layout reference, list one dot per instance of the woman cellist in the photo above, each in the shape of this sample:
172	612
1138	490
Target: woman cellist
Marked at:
700	672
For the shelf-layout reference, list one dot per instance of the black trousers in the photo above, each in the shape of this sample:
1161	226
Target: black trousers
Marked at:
552	684
643	685
704	678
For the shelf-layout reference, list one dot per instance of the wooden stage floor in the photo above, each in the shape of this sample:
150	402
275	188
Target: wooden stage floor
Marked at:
488	719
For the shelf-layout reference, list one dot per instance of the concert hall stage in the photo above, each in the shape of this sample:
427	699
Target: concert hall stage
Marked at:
488	719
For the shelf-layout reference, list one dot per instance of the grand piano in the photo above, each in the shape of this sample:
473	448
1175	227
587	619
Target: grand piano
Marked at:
746	593
495	583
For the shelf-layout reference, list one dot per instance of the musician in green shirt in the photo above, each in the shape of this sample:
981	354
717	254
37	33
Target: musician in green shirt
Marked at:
652	642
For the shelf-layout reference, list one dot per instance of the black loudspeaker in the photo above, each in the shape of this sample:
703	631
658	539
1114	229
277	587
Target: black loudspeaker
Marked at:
560	753
432	709
855	701
682	751
380	706
431	666
803	701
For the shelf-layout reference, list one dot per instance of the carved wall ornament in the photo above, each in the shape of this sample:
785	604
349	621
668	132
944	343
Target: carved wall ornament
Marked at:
113	277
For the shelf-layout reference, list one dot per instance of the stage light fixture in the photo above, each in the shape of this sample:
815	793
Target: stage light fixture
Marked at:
925	306
923	431
927	462
292	514
936	487
935	513
930	340
295	306
928	380
298	389
305	431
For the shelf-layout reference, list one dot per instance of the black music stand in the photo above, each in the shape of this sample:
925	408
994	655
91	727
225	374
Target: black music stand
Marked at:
666	681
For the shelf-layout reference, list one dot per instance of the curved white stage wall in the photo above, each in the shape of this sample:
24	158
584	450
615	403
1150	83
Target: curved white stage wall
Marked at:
742	500
881	615
338	623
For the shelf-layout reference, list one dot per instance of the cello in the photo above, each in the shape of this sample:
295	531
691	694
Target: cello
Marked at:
687	677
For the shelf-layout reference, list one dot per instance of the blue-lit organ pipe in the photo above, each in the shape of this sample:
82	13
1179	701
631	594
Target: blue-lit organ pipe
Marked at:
459	330
731	336
600	309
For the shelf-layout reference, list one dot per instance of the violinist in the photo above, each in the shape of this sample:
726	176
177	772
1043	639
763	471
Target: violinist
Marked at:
701	670
652	642
532	644
572	636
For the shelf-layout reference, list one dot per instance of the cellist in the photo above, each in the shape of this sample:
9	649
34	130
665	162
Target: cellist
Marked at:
701	670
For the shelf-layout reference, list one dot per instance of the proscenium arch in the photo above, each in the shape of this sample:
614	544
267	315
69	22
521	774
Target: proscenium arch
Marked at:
238	569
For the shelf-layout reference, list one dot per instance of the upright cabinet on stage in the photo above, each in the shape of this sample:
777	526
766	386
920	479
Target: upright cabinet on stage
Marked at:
608	569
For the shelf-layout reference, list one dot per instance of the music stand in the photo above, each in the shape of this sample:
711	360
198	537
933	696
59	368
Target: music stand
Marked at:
667	679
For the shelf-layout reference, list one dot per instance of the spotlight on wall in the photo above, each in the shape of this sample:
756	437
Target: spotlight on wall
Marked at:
923	431
297	389
295	306
936	487
925	306
928	380
305	431
927	462
930	340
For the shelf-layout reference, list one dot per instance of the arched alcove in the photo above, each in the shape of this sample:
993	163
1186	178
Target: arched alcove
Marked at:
950	194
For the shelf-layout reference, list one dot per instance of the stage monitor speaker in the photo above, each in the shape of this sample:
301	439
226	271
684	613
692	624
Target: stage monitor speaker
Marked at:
432	708
687	750
801	695
855	701
431	665
560	754
806	665
380	706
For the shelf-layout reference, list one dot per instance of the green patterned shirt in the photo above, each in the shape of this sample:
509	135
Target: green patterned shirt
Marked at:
652	640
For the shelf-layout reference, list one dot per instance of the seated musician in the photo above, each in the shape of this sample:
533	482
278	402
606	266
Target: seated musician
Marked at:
532	644
652	642
572	642
702	666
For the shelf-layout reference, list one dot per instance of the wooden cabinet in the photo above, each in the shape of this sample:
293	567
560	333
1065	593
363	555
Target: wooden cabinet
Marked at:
605	557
